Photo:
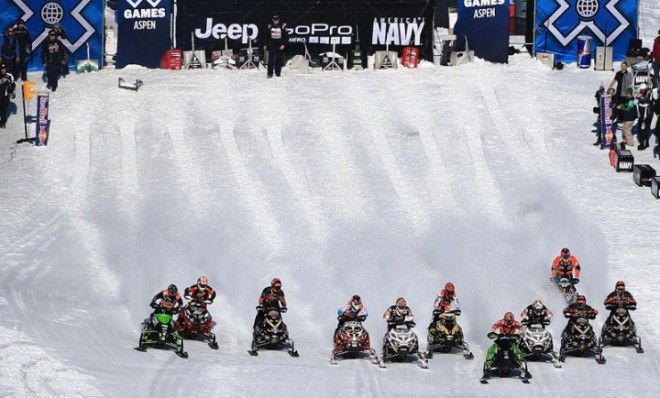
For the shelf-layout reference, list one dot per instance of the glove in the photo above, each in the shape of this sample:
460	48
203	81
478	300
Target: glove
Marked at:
260	308
153	305
12	95
283	309
575	281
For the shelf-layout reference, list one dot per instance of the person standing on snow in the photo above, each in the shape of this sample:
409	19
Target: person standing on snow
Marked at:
7	87
24	50
276	39
656	60
52	57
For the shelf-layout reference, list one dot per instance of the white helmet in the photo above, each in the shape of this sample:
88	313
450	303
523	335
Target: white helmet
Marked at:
643	86
537	304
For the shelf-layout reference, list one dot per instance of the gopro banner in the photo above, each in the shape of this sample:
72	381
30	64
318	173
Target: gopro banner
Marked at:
143	32
608	22
485	23
316	24
81	20
43	124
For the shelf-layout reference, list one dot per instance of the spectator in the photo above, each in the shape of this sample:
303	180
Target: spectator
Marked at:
655	103
622	80
9	50
24	50
656	60
61	36
276	37
52	56
628	114
7	87
643	100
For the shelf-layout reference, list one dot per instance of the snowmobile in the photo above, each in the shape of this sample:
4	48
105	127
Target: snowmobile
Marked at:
272	334
160	332
579	339
505	363
351	341
400	342
620	330
195	322
567	287
536	343
444	333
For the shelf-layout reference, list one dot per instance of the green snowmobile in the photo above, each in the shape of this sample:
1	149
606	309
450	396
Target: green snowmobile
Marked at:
159	332
505	359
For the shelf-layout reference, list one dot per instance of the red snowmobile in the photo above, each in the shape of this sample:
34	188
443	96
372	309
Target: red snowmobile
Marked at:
195	322
351	341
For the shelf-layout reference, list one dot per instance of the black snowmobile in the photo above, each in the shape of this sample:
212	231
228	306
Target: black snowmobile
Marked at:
506	362
160	332
579	339
620	330
272	334
567	288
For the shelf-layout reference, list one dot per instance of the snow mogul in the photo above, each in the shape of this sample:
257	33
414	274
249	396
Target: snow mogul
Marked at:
619	329
269	330
504	358
444	333
351	339
578	338
159	330
400	341
194	320
536	342
565	273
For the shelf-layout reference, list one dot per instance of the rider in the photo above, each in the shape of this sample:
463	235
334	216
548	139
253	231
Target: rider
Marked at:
579	309
536	313
619	298
507	326
445	301
169	300
565	265
272	297
353	310
399	314
201	292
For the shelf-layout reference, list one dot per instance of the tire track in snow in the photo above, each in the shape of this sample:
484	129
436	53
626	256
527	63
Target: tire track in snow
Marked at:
129	164
371	114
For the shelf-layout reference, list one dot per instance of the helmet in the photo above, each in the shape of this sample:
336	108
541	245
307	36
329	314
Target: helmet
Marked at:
276	283
565	253
620	285
538	304
202	282
509	318
449	288
172	289
581	299
3	66
356	299
643	86
400	302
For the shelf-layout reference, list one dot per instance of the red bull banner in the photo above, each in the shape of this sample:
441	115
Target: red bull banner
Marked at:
43	124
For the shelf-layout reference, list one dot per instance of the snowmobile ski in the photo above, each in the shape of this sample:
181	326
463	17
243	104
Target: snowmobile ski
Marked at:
483	380
253	353
182	354
214	345
294	353
141	349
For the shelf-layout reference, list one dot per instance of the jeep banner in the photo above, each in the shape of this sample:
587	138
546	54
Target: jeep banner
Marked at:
81	21
144	31
317	24
485	24
608	22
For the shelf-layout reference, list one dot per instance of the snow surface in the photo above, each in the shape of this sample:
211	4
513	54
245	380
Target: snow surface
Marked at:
385	184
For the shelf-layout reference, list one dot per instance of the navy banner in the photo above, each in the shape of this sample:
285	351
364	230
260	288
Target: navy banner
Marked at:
608	22
315	23
144	31
81	20
485	23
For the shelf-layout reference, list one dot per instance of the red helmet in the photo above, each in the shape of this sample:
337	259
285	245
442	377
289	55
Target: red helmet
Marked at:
276	283
581	299
509	318
202	282
449	288
565	253
620	285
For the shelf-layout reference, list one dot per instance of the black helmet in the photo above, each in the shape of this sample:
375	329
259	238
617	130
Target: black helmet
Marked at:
172	289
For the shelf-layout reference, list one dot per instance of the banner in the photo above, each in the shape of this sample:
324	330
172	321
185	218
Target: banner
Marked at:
143	32
43	124
608	22
316	24
485	23
81	20
605	121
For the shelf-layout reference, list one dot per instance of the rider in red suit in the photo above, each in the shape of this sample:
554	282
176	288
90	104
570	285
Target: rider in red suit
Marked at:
507	325
565	265
201	291
620	297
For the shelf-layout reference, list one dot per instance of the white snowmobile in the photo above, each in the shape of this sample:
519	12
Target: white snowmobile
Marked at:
400	342
536	344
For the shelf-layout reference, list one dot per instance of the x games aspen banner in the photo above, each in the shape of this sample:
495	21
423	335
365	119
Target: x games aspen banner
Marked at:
318	24
485	24
608	22
144	31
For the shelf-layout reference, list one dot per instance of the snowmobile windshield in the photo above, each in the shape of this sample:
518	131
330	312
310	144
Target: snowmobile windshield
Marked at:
163	318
